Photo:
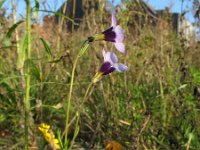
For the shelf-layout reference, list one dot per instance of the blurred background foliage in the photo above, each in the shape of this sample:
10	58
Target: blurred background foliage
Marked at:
154	105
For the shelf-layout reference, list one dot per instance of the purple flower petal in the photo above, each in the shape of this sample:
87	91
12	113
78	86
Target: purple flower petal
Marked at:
113	57
120	47
114	21
119	34
120	67
109	57
106	56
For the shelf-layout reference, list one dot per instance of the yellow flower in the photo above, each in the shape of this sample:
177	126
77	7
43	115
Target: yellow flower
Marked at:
49	136
112	145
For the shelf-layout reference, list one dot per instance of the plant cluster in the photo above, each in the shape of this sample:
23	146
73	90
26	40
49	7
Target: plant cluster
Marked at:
78	93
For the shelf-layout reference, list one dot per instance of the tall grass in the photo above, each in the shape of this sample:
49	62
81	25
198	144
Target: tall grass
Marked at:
152	106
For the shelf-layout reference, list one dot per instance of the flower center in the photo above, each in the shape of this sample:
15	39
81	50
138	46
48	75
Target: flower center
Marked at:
106	68
109	35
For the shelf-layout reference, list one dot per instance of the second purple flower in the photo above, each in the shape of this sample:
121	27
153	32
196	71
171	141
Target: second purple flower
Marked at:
114	34
111	63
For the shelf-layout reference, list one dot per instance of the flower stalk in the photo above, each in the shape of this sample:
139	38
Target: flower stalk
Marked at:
27	73
81	52
87	93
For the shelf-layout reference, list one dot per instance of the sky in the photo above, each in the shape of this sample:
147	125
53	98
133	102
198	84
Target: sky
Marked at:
175	5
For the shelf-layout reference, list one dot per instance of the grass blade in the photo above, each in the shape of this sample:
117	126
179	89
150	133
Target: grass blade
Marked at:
47	49
11	30
60	15
35	71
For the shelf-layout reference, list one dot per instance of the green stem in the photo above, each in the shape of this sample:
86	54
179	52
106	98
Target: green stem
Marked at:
85	96
28	56
81	52
163	102
96	78
78	115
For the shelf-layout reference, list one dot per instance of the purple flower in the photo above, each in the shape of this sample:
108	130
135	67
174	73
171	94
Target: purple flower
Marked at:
110	64
115	34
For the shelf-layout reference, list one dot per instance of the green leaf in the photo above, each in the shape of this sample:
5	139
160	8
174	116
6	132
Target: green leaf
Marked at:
11	30
21	53
35	71
47	49
2	118
61	15
1	3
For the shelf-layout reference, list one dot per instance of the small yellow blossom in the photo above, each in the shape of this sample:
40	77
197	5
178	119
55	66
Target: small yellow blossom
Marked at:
49	136
112	145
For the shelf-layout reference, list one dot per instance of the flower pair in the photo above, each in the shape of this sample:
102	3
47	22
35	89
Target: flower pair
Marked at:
114	34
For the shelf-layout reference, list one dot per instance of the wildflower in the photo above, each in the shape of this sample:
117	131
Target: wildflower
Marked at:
110	64
113	34
49	136
112	145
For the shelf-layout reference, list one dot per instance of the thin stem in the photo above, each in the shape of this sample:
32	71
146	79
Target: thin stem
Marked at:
164	104
69	96
86	95
81	52
78	114
96	78
28	56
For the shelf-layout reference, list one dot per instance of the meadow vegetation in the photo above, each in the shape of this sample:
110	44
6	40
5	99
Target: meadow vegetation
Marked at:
151	106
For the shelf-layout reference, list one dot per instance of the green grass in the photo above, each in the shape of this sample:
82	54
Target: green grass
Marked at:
151	106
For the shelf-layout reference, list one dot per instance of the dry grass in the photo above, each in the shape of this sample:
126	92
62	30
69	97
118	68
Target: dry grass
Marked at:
151	106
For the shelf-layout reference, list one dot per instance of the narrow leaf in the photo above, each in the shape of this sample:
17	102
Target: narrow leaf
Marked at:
35	71
7	47
12	29
60	15
47	49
